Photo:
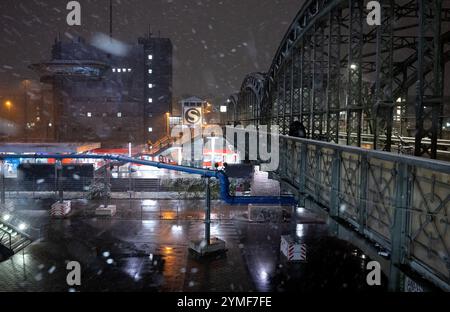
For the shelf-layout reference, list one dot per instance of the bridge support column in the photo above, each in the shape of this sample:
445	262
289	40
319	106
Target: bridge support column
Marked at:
364	173
400	226
335	183
302	187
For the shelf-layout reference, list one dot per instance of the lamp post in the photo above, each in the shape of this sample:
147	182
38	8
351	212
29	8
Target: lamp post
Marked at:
26	84
168	124
8	105
48	127
223	112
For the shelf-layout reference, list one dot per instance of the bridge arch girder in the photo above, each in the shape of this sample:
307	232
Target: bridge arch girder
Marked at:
347	81
250	98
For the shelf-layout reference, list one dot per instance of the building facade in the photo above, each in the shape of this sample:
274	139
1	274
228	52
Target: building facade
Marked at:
109	98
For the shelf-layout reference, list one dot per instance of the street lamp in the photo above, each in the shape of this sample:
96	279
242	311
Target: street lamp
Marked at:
168	124
213	152
26	84
8	105
223	111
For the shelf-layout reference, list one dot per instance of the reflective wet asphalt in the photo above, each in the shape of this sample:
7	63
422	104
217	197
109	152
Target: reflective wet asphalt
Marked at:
145	248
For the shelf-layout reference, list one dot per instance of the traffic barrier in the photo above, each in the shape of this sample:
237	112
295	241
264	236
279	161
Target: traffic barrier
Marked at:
60	209
293	250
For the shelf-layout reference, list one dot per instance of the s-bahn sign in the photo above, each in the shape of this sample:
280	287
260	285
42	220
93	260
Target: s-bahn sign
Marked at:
192	116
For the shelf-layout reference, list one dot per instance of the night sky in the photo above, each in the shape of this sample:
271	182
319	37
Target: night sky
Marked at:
216	43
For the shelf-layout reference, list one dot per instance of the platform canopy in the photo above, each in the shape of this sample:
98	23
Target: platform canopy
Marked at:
61	148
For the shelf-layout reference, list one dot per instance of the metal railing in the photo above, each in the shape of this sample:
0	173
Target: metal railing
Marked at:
50	184
3	233
400	202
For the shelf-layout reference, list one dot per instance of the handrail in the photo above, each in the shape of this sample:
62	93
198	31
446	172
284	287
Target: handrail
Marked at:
431	164
398	202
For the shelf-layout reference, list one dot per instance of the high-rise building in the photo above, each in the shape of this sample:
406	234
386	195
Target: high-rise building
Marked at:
107	97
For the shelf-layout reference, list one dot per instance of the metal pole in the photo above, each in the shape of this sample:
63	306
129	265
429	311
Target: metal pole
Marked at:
400	229
56	178
3	196
26	111
59	177
208	214
107	175
110	19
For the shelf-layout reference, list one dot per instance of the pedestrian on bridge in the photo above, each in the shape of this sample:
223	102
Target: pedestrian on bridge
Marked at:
297	129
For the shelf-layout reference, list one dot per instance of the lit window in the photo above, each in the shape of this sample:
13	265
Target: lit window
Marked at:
119	115
150	100
150	85
150	71
114	70
150	57
150	129
129	70
89	115
119	70
124	70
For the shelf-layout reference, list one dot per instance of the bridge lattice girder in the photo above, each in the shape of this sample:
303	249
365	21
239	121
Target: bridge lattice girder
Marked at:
341	76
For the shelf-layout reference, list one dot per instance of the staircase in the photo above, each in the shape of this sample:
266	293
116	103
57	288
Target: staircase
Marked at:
12	241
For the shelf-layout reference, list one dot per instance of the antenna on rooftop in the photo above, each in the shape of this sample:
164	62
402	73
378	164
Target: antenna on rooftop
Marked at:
110	19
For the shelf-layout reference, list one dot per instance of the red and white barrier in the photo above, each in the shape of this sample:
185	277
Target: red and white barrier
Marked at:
293	250
60	209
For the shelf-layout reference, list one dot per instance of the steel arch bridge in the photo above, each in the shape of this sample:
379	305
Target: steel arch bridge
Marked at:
346	80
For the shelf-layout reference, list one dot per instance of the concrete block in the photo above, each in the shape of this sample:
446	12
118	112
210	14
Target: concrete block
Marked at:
109	211
202	249
264	213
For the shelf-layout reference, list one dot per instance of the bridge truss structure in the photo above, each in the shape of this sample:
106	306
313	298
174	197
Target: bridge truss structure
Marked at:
349	82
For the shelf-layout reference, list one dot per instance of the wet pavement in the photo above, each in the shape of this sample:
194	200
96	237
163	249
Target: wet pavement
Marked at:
145	248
